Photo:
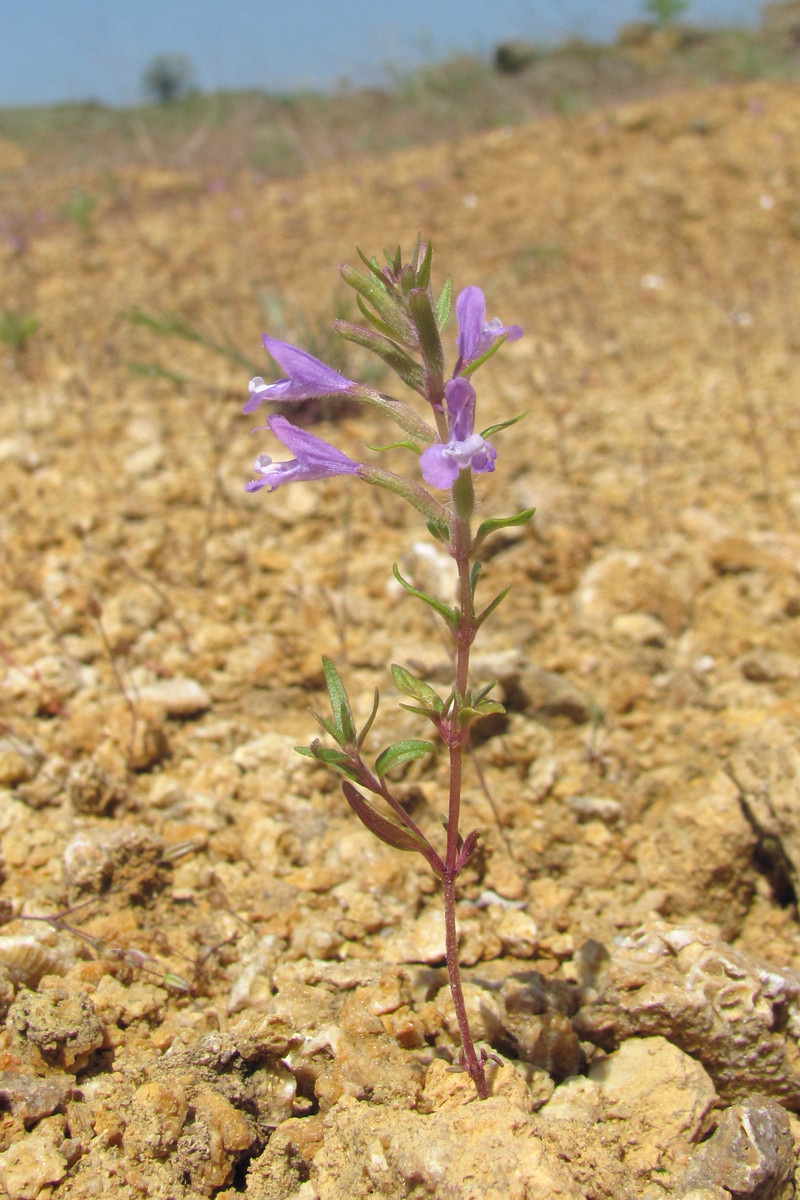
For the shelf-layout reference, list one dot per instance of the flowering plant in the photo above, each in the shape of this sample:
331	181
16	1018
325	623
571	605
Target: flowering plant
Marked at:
403	326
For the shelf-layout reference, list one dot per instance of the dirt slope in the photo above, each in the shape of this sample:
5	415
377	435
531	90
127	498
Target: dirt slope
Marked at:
246	991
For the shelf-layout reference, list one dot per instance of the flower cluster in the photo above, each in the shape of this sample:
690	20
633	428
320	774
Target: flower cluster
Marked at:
462	449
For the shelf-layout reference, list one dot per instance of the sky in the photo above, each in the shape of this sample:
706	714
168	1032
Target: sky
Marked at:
60	50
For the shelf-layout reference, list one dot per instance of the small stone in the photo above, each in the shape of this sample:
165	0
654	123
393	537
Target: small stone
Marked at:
601	808
518	932
30	1165
129	858
26	958
751	1153
178	697
159	1113
640	628
15	766
653	1076
62	1025
29	1097
92	789
419	941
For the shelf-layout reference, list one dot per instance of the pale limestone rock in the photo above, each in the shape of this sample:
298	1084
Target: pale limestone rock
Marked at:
700	855
30	1165
624	582
464	1153
178	697
734	1014
766	768
655	1078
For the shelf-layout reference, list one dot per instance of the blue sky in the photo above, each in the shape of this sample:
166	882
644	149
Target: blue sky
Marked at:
53	50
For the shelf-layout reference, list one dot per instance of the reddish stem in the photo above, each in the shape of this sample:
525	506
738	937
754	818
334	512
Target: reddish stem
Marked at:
457	742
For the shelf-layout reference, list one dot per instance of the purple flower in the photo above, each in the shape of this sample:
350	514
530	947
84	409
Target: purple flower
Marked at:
314	458
307	377
466	449
475	334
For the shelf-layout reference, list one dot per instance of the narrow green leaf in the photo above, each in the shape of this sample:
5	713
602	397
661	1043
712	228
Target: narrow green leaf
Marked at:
335	759
472	712
421	712
400	753
380	343
372	266
387	305
340	705
430	342
440	530
417	689
394	446
443	303
327	724
424	268
487	612
483	692
472	367
495	523
474	576
369	720
388	831
503	425
444	610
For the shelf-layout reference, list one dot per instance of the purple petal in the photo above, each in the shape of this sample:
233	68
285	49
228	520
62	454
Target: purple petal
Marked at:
314	458
471	313
476	334
438	467
307	377
310	450
460	397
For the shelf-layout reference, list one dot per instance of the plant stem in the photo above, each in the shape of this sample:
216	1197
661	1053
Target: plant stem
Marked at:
457	742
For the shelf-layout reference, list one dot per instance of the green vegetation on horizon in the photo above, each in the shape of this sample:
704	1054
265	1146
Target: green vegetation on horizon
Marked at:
283	135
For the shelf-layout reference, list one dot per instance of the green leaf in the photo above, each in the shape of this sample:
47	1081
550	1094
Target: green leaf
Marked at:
440	530
503	425
474	576
417	689
335	759
420	712
483	692
394	446
401	752
388	831
329	727
424	268
381	344
495	523
340	705
388	307
472	367
444	610
430	343
372	265
472	712
369	721
487	612
443	303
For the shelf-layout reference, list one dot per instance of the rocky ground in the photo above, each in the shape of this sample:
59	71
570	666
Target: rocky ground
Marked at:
213	979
